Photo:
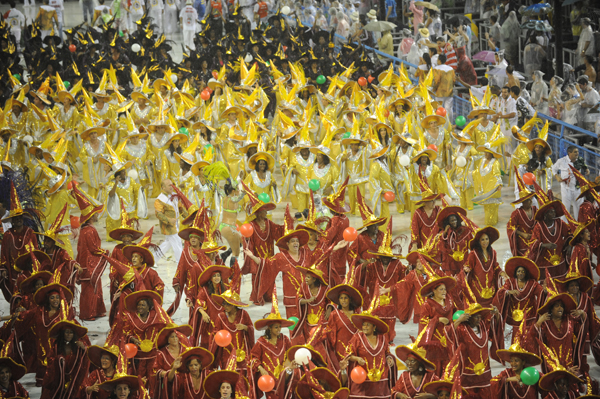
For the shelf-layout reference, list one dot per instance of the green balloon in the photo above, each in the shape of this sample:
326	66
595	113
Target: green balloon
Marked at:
346	135
207	146
295	320
460	121
530	376
67	84
264	197
457	314
314	185
17	76
184	130
120	33
320	79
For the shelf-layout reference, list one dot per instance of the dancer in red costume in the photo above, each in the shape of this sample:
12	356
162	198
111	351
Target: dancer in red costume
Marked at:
89	256
522	220
206	309
262	242
589	210
334	231
10	374
419	371
454	237
581	254
141	258
15	242
171	342
103	362
189	378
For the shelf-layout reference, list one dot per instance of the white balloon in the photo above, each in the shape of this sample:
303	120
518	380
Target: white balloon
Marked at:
302	356
174	78
404	160
79	165
135	47
133	174
461	161
285	10
248	57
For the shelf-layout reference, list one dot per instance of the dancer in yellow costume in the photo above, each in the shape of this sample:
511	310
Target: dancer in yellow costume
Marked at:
399	166
94	146
424	173
297	175
521	154
435	133
354	164
261	178
16	117
137	151
462	176
125	190
206	190
57	197
483	129
170	168
487	179
232	135
324	170
380	179
142	111
36	117
104	110
67	115
187	181
160	133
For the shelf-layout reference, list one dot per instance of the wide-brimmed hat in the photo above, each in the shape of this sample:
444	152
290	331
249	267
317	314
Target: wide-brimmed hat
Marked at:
555	204
142	248
254	204
40	296
413	256
131	381
355	296
574	274
273	317
29	257
162	339
209	271
434	280
515	262
26	286
431	154
132	299
17	370
95	353
315	355
367	215
548	380
72	325
359	319
318	374
205	357
230	297
448	211
87	205
491	232
566	299
261	155
476	308
403	352
530	359
488	148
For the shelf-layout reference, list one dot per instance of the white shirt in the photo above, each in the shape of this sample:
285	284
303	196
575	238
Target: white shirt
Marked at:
188	16
561	168
507	106
15	19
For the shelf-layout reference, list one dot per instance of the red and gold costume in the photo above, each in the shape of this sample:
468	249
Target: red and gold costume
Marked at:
503	389
480	284
89	257
552	259
379	382
454	247
271	358
520	221
242	341
423	227
405	385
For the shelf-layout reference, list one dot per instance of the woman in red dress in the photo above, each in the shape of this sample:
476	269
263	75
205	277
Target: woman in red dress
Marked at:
478	282
10	374
419	371
268	355
206	310
581	255
423	226
51	303
67	363
521	294
454	239
104	359
237	321
559	330
170	342
290	257
340	328
436	315
89	256
522	220
370	350
508	384
191	373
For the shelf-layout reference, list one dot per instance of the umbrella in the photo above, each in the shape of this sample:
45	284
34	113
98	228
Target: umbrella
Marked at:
501	72
458	20
427	5
537	9
379	26
486	56
541	26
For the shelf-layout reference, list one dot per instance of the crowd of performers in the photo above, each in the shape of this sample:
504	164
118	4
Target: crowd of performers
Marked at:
119	137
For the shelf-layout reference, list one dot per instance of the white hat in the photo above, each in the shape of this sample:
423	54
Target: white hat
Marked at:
354	16
189	2
372	14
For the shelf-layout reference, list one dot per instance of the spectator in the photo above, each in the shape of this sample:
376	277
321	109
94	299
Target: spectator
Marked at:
512	79
372	17
539	93
570	107
444	78
445	48
586	45
588	68
493	36
424	67
509	39
16	21
434	23
199	6
533	56
390	14
187	20
320	21
554	98
386	44
591	98
465	71
417	12
576	14
524	110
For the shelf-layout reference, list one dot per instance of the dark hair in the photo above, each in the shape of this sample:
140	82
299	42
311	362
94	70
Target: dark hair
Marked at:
477	247
570	149
446	221
427	59
532	164
268	331
509	69
483	81
228	188
582	80
11	4
541	159
258	162
211	288
515	90
61	345
148	302
419	160
494	18
527	277
173	150
507	88
442	58
291	141
589	59
232	388
351	305
119	173
325	159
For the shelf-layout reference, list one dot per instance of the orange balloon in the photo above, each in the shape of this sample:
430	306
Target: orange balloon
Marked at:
205	95
75	222
441	111
350	234
432	147
266	383
389	196
370	79
223	338
528	178
362	81
246	230
130	351
358	375
215	74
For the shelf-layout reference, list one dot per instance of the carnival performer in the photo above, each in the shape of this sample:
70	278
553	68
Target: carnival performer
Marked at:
423	226
487	181
419	371
541	151
206	309
354	165
522	220
190	375
170	343
104	359
454	237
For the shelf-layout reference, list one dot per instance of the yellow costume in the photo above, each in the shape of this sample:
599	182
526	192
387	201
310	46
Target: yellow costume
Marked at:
462	177
93	169
487	179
